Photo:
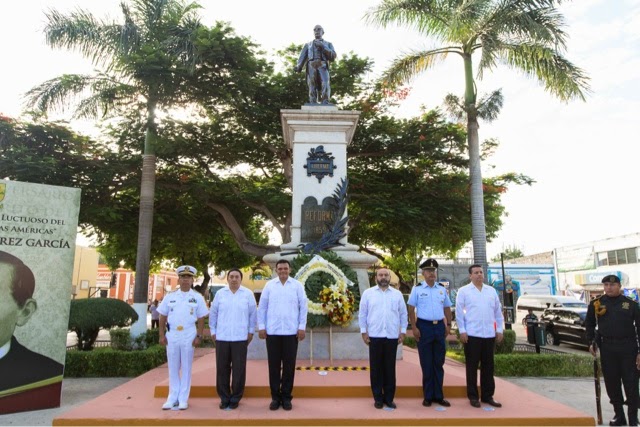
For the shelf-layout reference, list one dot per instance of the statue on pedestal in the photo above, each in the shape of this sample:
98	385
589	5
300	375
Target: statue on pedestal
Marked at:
316	55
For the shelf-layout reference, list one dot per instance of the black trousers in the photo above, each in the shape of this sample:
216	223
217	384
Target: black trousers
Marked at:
619	370
479	351
382	365
155	323
281	354
231	370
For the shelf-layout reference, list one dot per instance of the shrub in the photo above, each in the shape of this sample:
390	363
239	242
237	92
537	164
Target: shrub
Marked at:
508	343
108	362
120	339
148	339
88	316
410	342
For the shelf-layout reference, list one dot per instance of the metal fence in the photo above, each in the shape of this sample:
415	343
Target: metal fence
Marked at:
98	343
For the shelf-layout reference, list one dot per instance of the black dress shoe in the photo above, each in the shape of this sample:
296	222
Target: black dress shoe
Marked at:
426	402
618	421
475	403
378	405
233	405
493	403
223	405
274	405
391	405
442	402
287	406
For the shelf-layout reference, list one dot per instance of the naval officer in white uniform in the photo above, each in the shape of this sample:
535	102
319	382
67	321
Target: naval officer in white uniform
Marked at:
182	315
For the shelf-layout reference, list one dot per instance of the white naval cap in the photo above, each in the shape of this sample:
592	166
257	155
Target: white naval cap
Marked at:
186	270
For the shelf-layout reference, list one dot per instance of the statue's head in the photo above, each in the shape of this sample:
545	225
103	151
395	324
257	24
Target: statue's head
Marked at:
318	31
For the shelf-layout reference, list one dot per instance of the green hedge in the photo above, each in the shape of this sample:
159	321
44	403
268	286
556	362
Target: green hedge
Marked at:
508	342
537	365
543	365
107	362
506	346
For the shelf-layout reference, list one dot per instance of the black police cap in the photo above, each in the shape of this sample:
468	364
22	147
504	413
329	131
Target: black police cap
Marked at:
429	263
611	278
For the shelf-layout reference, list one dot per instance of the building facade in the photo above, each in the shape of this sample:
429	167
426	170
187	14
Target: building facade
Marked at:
580	268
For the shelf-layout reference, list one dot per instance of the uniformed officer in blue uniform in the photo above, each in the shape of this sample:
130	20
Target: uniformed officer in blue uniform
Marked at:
183	311
613	327
430	315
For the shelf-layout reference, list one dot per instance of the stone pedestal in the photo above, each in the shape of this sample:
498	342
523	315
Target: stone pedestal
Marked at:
304	131
339	344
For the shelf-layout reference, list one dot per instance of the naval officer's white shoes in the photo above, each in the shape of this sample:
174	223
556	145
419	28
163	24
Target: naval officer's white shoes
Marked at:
168	405
182	406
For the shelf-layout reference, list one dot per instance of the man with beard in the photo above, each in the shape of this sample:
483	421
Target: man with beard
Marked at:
383	324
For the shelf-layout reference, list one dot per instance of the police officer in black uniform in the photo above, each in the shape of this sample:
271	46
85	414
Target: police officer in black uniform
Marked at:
617	319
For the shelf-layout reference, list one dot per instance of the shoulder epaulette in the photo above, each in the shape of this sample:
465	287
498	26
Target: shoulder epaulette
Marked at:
629	298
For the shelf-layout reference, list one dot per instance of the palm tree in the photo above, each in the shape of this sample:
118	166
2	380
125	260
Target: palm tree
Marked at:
526	35
146	61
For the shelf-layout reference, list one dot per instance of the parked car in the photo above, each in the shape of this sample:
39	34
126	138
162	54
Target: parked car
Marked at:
565	324
538	303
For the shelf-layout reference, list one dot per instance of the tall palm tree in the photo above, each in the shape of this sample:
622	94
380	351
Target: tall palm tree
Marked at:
526	35
145	59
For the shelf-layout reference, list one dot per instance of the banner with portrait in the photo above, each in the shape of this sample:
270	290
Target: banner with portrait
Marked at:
38	226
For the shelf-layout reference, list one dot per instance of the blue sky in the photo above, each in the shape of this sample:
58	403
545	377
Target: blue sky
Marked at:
583	156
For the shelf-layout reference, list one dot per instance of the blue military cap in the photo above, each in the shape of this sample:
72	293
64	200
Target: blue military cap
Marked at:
429	263
186	270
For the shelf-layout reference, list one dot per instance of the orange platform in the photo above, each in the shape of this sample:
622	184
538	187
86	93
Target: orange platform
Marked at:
337	398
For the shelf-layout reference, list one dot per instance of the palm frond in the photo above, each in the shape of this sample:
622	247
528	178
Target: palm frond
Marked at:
405	68
54	93
182	41
429	17
454	105
489	106
82	32
105	95
557	74
538	21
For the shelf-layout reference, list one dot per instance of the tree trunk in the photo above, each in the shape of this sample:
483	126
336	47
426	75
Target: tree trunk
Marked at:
145	225
478	226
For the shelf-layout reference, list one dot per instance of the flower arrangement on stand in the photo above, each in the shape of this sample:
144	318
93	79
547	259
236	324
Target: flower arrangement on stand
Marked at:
329	285
338	303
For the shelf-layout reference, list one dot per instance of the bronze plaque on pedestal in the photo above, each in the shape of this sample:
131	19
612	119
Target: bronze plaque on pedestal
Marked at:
316	218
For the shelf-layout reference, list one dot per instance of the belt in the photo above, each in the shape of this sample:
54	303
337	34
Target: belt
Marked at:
431	322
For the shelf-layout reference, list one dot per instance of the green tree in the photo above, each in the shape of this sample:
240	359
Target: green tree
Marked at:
88	316
150	63
526	35
510	252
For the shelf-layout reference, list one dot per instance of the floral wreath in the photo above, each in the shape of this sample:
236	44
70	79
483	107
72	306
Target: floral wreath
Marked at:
334	303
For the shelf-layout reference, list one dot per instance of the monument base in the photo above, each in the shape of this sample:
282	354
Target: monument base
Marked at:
333	343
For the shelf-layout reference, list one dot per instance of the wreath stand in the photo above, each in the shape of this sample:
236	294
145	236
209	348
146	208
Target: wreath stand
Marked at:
330	346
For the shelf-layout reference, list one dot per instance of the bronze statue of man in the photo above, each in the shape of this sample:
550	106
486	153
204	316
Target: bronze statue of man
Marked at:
316	55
